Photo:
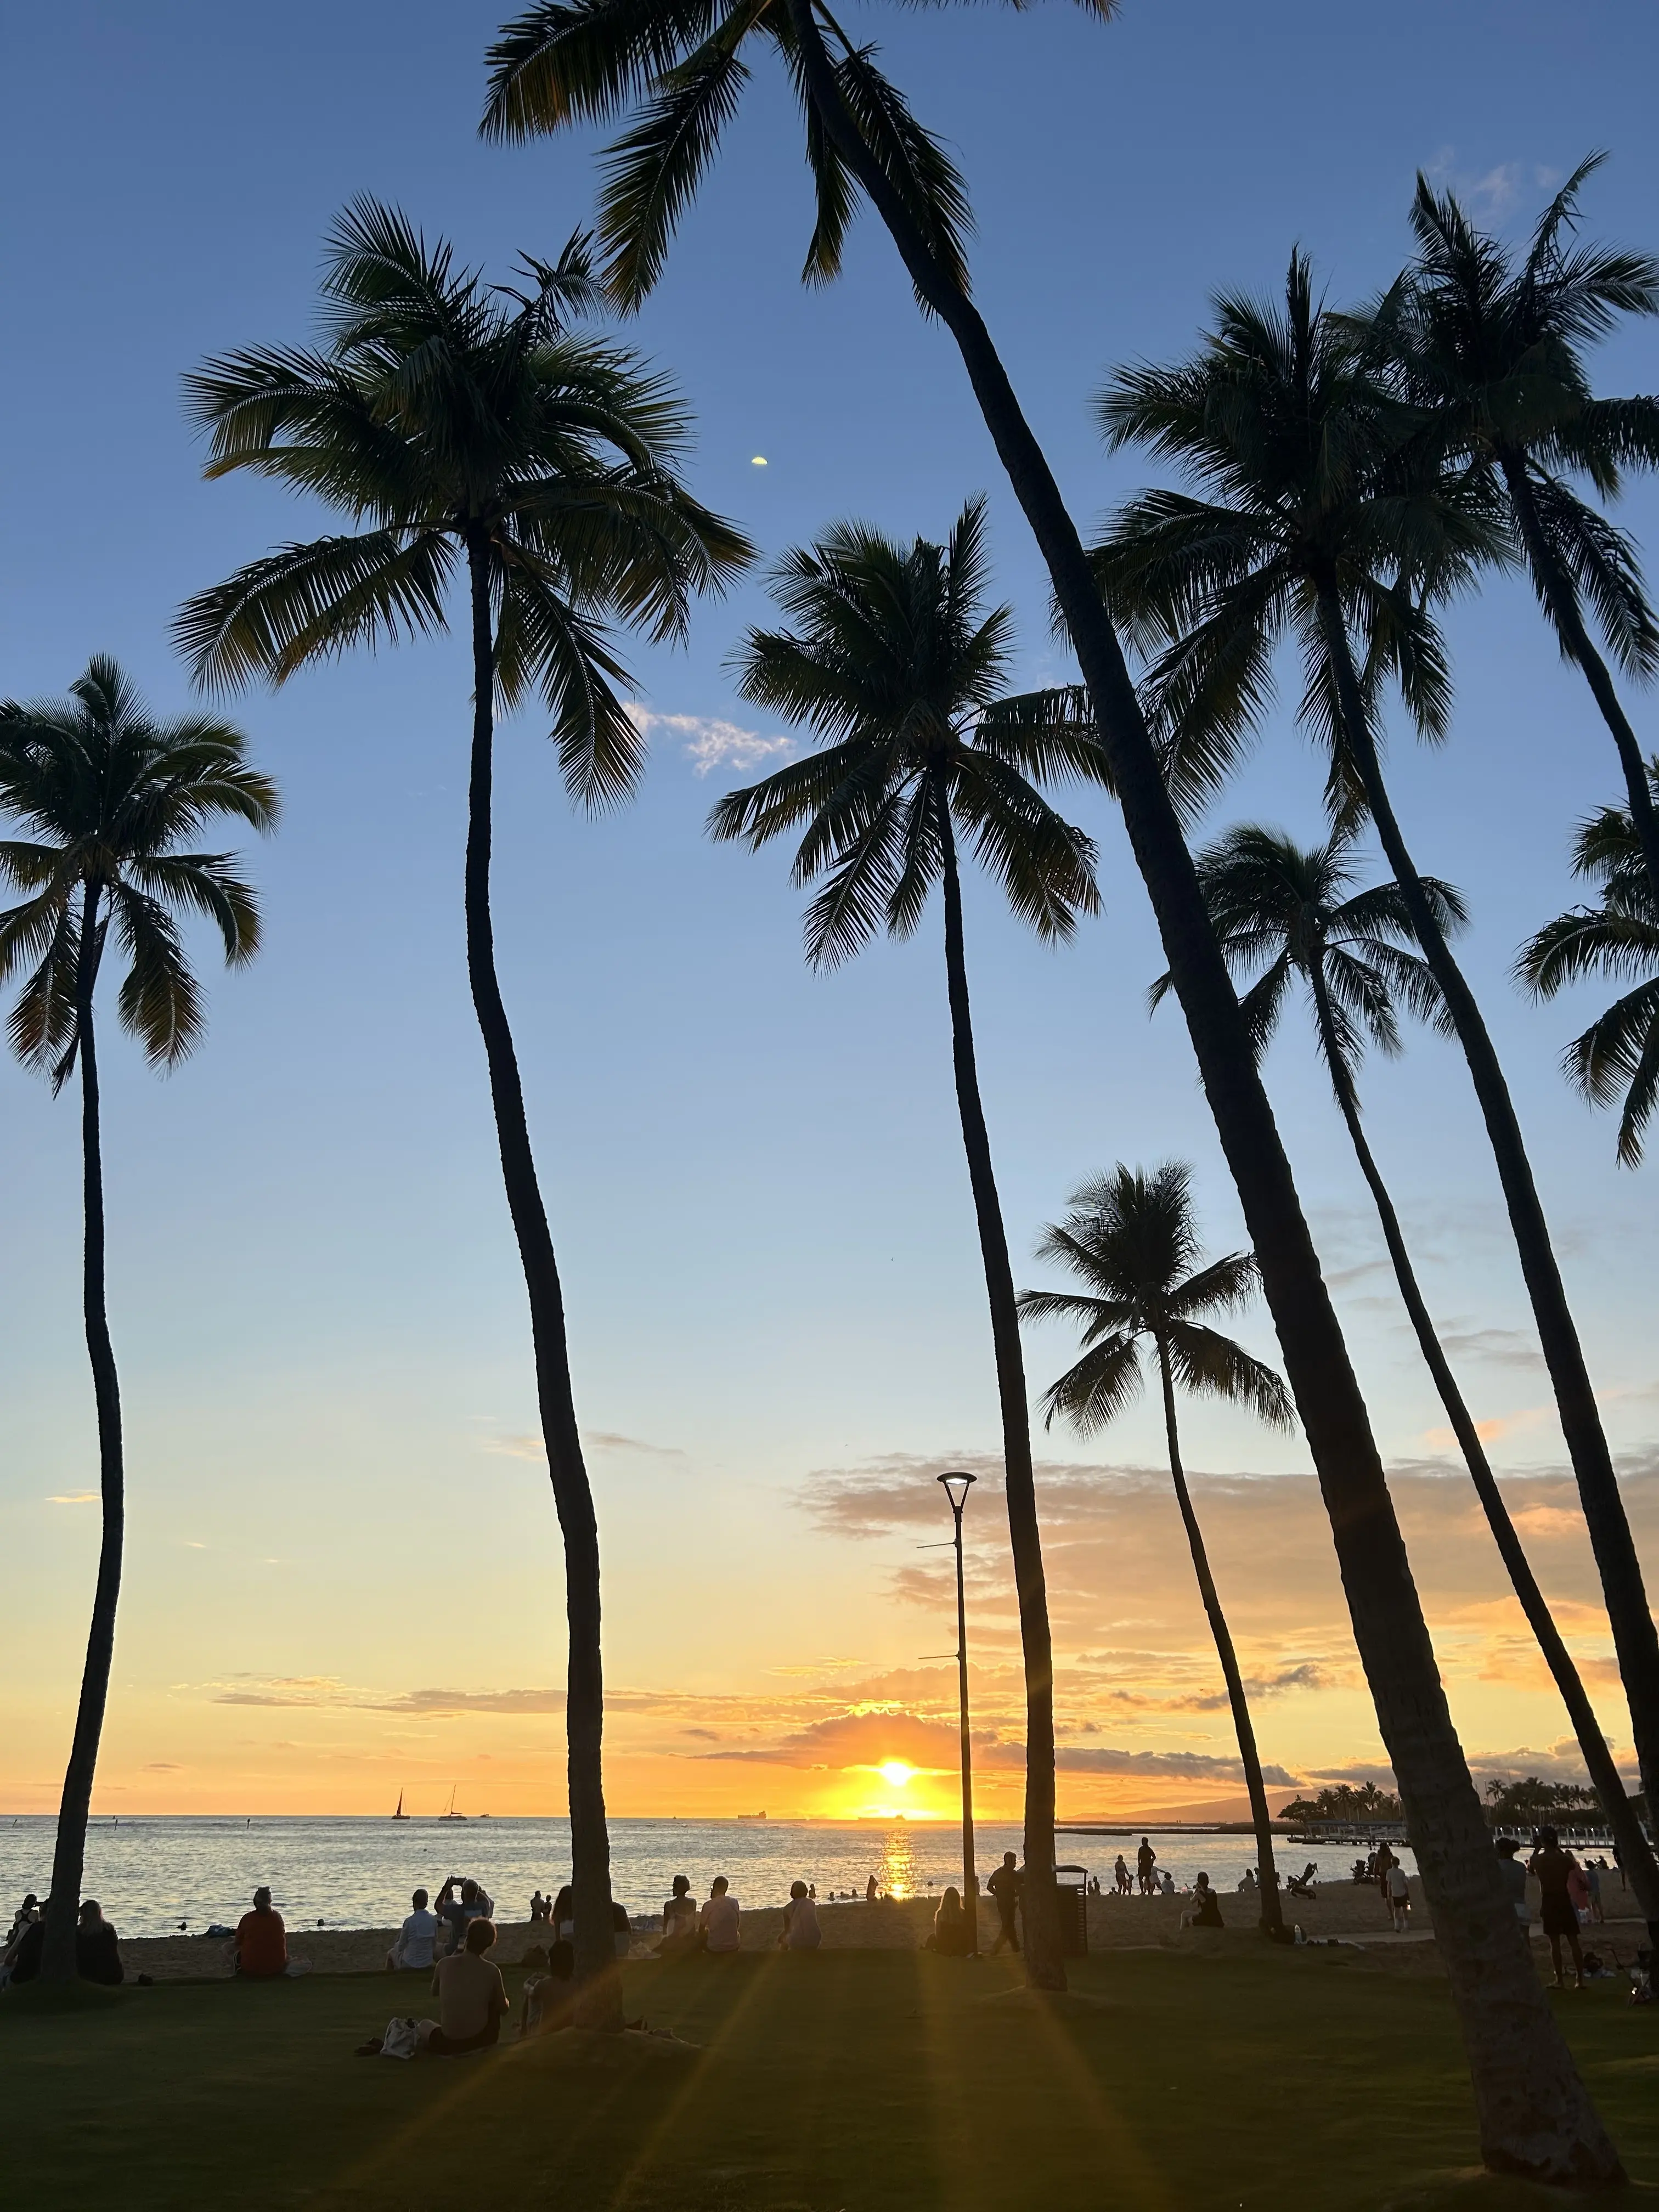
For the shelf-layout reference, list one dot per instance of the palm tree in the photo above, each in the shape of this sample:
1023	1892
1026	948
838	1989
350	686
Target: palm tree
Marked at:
109	802
472	430
1293	913
891	664
683	71
1493	349
1131	1239
1618	1055
1331	515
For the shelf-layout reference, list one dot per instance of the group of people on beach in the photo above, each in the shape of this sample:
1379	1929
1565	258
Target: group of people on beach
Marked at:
97	1949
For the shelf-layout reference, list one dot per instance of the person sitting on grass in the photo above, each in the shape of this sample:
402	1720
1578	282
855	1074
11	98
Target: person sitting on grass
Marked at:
97	1958
258	1949
953	1931
1553	1867
547	1996
416	1939
718	1922
679	1921
800	1930
471	1997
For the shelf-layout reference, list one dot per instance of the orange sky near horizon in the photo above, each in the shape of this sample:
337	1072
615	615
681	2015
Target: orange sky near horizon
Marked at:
746	1723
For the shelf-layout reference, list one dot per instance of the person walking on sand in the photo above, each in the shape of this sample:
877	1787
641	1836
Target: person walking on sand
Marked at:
1553	1867
1121	1876
1004	1885
1146	1860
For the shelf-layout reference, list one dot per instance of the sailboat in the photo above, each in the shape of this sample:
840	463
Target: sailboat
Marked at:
400	1815
449	1813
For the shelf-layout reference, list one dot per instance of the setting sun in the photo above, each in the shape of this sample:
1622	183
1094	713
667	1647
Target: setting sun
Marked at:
895	1773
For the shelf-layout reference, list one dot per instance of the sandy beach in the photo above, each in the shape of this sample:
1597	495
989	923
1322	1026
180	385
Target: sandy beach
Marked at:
1341	1909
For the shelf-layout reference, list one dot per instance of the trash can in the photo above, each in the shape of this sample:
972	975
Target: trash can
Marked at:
1072	1894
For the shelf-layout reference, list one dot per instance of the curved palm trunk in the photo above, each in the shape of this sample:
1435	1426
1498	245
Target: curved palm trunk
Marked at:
1045	1969
1273	1919
1634	1851
68	1852
1562	606
1635	1640
1534	2114
600	2001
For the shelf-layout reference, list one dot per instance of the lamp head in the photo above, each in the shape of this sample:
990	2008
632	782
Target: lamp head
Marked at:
955	1488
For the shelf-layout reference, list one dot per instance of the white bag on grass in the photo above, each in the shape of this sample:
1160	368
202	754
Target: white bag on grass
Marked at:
402	2038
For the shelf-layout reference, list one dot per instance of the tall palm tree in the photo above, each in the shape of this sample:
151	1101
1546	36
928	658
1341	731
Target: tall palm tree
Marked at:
1618	1055
681	71
478	436
1293	913
891	664
1330	516
109	802
1131	1239
1493	346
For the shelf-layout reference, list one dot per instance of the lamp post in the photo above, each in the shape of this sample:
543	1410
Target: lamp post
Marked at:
956	1487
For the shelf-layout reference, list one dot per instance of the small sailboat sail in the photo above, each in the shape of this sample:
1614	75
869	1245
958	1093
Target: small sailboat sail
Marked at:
400	1815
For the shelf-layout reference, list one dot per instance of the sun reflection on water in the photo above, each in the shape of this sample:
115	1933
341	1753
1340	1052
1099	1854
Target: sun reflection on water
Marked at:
898	1876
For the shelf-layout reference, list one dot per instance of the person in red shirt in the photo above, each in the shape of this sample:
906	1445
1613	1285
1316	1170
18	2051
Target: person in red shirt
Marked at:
260	1948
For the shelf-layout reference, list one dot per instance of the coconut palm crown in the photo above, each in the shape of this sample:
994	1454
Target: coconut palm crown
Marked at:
1292	912
1317	501
470	428
1616	1059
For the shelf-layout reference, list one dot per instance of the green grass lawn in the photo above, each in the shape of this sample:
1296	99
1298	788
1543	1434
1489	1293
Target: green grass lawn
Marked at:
847	2081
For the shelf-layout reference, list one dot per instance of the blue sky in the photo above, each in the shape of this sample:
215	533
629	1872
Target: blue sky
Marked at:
755	1174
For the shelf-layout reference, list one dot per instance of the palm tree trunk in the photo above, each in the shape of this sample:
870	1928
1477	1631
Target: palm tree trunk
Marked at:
68	1852
1634	1852
1534	2114
599	2002
1635	1640
1045	1968
1561	605
1273	1919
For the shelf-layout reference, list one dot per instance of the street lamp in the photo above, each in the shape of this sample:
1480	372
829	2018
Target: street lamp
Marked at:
956	1486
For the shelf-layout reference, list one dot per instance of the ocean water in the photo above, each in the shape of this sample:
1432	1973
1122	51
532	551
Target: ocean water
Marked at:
150	1874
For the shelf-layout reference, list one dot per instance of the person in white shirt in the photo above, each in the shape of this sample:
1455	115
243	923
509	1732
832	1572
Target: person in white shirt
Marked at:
416	1938
800	1930
718	1918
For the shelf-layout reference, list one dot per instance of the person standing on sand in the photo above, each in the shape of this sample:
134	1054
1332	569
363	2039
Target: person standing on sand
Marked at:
1121	1876
1146	1860
1554	1868
1400	1897
1004	1885
872	1892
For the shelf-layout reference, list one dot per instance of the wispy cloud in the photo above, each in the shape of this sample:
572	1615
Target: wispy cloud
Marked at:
74	1497
600	1440
708	742
1494	191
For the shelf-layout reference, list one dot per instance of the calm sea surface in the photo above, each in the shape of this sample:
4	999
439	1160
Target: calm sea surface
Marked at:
150	1874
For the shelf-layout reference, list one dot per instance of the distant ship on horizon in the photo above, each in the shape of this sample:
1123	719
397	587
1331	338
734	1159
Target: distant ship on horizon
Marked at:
400	1815
751	1816
449	1812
